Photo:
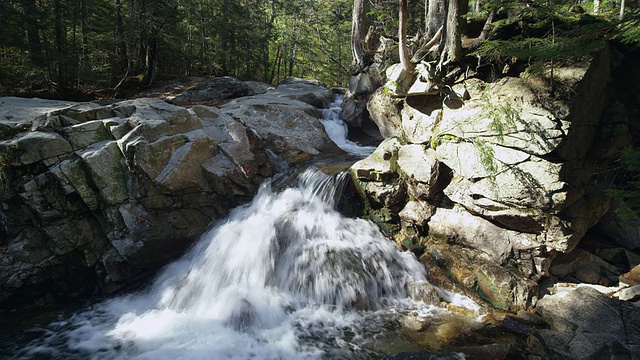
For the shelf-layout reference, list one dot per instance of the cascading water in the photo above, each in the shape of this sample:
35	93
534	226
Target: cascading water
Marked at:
284	277
338	131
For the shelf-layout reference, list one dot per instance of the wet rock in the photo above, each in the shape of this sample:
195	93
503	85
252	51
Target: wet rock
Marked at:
289	127
109	193
513	168
632	277
630	294
584	267
423	291
458	269
578	328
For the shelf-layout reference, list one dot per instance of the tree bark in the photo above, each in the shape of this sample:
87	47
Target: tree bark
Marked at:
60	35
224	35
357	35
33	37
453	37
435	17
622	6
151	61
403	15
487	27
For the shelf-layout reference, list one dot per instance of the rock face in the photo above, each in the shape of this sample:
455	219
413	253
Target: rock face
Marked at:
92	196
507	175
577	329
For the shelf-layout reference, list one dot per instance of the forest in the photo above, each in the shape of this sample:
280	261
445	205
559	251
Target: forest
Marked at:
83	49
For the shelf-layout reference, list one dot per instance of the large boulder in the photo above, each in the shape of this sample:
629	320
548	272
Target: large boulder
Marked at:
508	172
95	197
586	324
197	90
285	119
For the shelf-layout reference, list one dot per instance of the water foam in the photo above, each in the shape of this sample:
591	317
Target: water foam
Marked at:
284	277
337	129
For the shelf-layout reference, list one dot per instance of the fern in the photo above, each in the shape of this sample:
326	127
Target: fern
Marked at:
629	29
501	116
487	156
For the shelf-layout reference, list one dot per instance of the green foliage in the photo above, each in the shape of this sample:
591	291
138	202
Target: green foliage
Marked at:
487	156
629	193
80	45
501	115
629	28
538	49
548	32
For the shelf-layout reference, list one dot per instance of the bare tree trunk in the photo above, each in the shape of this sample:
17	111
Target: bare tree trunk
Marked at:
60	34
477	4
357	35
435	17
402	36
596	7
224	35
487	26
453	37
31	12
622	5
276	63
151	61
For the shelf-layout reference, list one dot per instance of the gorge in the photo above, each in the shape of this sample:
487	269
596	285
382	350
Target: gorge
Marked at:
99	196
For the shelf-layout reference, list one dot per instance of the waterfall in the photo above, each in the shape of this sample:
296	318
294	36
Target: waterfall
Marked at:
283	277
338	131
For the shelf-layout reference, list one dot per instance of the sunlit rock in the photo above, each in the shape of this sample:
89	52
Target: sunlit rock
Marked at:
384	111
513	163
116	190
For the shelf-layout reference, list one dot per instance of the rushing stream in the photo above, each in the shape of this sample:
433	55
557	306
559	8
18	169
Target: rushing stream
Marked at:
284	277
337	129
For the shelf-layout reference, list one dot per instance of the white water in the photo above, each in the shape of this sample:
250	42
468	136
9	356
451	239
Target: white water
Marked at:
338	131
284	277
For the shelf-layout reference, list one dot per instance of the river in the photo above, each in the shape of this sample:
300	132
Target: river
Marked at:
283	277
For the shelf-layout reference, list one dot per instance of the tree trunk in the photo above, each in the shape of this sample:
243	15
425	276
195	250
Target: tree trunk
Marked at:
403	15
151	61
60	35
477	4
454	44
83	24
357	35
33	37
224	34
622	5
463	8
435	17
487	27
596	7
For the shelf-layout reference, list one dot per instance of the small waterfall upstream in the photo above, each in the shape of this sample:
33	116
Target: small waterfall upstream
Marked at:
283	277
337	129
